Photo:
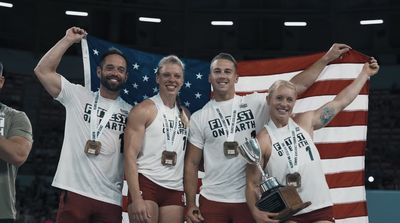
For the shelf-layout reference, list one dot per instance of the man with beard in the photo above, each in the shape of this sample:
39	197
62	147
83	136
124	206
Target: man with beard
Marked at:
90	169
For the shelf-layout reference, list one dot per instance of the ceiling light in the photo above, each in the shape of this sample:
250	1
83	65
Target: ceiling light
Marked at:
6	4
371	22
76	13
148	19
295	23
221	23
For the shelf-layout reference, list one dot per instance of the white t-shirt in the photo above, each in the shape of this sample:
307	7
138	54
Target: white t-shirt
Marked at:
225	178
99	177
154	143
313	183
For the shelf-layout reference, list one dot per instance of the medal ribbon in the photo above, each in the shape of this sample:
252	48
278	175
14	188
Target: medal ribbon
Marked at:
95	134
169	139
292	158
231	126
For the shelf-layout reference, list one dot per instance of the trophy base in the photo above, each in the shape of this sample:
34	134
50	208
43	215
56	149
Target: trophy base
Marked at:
283	200
286	213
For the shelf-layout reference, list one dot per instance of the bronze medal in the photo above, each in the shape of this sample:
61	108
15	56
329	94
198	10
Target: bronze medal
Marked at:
168	158
293	179
231	149
93	147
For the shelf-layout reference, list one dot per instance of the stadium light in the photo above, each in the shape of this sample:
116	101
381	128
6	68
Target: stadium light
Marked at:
76	13
6	4
295	23
222	23
149	19
371	22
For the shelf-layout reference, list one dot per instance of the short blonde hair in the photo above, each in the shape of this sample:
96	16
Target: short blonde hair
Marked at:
280	83
171	59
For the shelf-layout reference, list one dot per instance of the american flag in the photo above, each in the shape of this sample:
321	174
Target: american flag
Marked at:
142	68
341	144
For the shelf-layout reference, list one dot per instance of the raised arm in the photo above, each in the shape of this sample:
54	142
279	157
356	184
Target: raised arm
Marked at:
138	119
306	78
322	116
46	69
253	180
190	182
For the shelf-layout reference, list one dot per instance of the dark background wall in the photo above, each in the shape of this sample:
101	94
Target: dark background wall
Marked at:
31	27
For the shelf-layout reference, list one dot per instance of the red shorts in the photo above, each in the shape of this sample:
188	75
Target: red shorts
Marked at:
160	195
80	209
220	212
323	214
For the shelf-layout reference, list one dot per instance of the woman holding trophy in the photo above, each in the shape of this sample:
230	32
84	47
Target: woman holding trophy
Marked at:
289	154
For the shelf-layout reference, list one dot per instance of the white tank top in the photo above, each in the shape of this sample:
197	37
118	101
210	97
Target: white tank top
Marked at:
313	183
149	159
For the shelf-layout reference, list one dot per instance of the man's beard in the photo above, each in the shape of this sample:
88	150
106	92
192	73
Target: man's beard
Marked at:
105	82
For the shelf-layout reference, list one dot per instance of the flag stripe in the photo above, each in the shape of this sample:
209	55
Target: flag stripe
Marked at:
340	134
353	220
125	203
348	194
354	209
276	66
353	163
356	117
339	150
330	73
340	72
312	103
125	217
289	64
345	179
331	88
320	88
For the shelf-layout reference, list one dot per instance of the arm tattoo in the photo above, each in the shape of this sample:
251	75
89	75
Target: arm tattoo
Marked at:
327	115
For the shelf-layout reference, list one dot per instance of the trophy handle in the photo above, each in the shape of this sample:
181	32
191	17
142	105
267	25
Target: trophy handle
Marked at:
263	173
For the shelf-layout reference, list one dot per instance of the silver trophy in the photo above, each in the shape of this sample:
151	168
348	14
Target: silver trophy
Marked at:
275	198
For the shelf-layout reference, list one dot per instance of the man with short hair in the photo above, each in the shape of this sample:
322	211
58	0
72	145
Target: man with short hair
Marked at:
15	145
218	128
90	169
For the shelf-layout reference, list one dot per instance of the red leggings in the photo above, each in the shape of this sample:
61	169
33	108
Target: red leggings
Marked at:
80	209
220	212
160	195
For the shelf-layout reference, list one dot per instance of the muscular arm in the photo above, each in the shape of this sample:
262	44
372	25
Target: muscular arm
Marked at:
15	150
306	78
47	66
192	161
322	116
138	119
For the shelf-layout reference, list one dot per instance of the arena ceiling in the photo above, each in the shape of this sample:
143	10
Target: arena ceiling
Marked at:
185	29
